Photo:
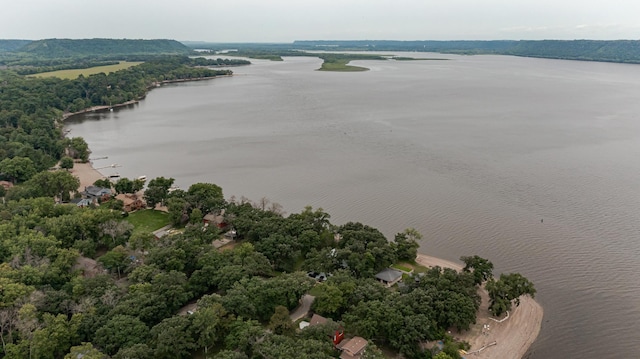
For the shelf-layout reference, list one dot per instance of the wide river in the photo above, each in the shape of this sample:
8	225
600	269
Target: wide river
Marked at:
532	163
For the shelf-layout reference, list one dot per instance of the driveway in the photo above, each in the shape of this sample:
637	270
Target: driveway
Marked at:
303	309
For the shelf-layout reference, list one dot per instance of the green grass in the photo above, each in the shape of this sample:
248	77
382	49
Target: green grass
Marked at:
408	266
148	220
74	73
401	267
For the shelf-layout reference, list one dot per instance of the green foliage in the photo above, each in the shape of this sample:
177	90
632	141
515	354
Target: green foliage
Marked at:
137	351
78	149
115	260
172	339
17	169
66	163
157	190
257	298
481	268
85	351
506	290
103	182
280	346
280	323
407	244
53	184
121	331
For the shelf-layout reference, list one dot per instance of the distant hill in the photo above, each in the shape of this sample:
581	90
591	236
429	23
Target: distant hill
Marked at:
626	51
12	45
61	48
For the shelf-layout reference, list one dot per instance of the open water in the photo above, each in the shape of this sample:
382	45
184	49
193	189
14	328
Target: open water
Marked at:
532	163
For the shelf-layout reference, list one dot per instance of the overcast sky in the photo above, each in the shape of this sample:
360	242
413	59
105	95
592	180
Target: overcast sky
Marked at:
288	20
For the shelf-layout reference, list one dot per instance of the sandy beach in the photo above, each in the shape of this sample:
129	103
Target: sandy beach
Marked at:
86	173
512	336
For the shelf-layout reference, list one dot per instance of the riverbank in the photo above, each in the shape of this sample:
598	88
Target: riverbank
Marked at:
133	102
98	108
512	336
86	174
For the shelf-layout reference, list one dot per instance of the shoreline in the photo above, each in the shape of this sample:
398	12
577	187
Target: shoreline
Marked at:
86	173
512	336
67	115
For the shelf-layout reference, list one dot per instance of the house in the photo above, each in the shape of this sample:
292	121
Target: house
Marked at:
83	202
317	320
6	185
99	193
131	202
352	348
389	276
216	219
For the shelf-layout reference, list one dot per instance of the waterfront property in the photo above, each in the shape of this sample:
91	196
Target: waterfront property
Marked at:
389	276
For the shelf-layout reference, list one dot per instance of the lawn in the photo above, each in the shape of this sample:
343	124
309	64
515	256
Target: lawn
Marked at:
401	267
148	220
74	73
408	267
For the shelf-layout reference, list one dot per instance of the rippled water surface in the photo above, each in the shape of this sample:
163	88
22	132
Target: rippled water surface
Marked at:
473	152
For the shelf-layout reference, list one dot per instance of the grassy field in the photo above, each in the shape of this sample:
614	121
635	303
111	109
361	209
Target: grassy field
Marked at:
148	220
74	73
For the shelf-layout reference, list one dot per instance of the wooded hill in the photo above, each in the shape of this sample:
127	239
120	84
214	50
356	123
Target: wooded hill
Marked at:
57	48
12	45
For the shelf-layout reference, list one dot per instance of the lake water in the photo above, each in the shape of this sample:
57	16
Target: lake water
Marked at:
473	152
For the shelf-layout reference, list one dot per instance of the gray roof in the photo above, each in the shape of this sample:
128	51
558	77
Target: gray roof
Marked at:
96	191
389	275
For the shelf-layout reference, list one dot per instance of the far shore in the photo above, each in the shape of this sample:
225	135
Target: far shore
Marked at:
512	336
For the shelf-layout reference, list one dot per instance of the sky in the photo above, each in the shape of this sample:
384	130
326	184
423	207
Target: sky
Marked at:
289	20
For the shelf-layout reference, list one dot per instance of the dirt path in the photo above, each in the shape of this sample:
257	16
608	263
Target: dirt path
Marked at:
513	336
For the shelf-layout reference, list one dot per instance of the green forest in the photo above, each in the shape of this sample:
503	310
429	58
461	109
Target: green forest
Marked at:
95	282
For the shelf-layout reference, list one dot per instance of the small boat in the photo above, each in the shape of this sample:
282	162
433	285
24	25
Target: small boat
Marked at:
114	176
173	189
142	178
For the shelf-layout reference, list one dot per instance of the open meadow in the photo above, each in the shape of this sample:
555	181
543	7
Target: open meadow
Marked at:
74	73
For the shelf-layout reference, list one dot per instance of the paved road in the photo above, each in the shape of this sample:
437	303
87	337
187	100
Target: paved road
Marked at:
304	307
